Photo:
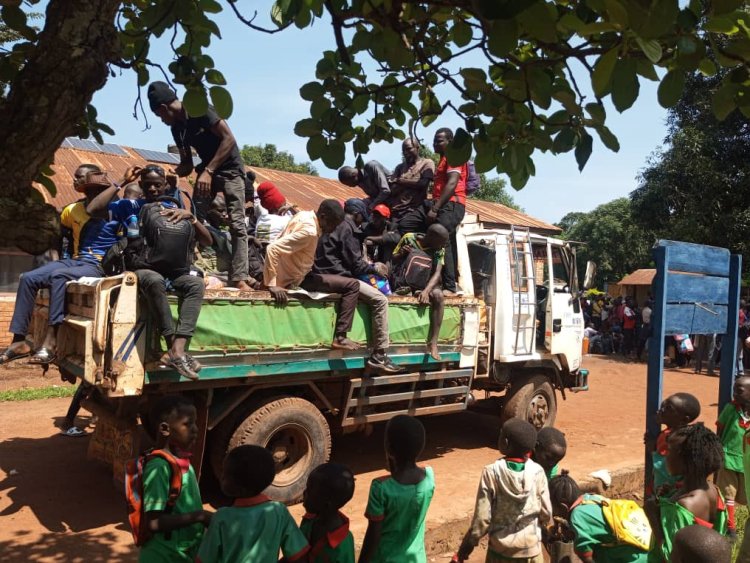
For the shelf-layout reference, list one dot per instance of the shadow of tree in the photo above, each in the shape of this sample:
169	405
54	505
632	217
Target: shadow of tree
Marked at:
84	547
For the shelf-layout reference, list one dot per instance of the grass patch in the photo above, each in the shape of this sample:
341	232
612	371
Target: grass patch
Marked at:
35	394
740	516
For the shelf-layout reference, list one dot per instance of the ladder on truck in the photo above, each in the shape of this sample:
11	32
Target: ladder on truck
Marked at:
523	307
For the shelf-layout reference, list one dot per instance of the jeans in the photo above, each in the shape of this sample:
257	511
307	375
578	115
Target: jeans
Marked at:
348	288
190	292
54	276
234	195
378	314
450	217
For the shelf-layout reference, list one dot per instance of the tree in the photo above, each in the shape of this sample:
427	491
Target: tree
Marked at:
522	97
612	239
697	189
494	189
268	156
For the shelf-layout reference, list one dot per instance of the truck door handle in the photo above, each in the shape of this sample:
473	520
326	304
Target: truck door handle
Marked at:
556	325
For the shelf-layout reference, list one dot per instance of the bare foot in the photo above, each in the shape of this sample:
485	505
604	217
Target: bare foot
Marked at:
242	285
432	350
448	293
344	344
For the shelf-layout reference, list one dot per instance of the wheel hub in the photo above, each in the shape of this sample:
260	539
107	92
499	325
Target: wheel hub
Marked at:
291	448
538	410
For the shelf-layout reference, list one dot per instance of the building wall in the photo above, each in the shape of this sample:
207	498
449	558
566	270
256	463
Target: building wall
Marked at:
7	301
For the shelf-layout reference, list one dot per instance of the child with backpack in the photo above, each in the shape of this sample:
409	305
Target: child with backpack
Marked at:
604	530
695	453
549	450
418	264
399	501
513	502
329	487
254	528
165	508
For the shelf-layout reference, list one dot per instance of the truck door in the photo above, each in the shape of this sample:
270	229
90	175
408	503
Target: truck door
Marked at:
564	319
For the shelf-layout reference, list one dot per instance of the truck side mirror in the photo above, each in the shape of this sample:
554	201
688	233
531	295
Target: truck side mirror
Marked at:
588	280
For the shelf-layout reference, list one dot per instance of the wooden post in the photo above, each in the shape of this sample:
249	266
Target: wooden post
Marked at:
656	350
729	339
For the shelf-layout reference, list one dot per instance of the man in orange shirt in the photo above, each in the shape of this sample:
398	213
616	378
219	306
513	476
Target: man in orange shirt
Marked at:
447	206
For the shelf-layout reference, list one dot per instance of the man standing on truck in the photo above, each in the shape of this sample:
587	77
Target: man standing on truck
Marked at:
220	170
447	206
372	179
92	235
410	180
337	268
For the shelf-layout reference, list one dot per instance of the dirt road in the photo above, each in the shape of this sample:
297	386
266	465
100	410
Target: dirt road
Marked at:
56	506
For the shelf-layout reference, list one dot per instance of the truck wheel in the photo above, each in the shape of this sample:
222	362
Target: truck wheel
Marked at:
296	434
532	399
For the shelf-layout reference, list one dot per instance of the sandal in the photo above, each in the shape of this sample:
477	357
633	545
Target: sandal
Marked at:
182	366
43	356
11	355
73	432
195	365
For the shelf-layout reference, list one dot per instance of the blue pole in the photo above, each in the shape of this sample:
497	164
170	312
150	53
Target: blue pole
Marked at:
729	340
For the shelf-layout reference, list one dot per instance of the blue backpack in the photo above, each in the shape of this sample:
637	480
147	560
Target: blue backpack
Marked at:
473	182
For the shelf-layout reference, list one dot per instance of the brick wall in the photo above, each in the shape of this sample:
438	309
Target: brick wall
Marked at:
7	302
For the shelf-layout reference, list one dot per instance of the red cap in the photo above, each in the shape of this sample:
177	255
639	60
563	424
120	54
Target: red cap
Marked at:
270	196
383	210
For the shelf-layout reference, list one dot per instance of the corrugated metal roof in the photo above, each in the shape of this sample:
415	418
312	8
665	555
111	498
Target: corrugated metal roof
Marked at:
640	277
302	190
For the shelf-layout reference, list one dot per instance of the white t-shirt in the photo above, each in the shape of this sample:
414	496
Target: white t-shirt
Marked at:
268	226
590	332
646	315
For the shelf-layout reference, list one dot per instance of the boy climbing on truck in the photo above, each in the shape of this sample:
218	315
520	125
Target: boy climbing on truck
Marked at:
418	265
176	525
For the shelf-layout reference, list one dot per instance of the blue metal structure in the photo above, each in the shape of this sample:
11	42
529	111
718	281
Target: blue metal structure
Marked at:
696	291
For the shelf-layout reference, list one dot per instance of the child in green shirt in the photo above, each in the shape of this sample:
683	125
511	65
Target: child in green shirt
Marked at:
734	421
695	453
254	528
698	544
329	487
176	533
398	502
676	411
594	539
549	450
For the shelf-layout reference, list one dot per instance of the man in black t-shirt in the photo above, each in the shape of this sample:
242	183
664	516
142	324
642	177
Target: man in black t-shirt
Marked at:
220	170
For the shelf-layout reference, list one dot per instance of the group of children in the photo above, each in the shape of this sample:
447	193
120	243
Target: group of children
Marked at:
524	502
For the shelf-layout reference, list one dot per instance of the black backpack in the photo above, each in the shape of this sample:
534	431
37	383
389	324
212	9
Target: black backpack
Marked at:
113	262
414	272
167	247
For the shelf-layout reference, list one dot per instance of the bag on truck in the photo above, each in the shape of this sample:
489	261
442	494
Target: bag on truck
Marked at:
167	247
414	272
473	182
627	520
134	491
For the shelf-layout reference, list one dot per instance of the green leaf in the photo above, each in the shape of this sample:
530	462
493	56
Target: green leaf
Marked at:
723	101
459	151
540	21
597	112
307	128
315	146
651	48
617	12
222	101
210	6
48	184
564	141
213	76
312	91
195	101
143	75
461	33
583	149
601	78
475	79
502	37
671	88
333	154
645	69
14	17
625	85
707	67
608	138
725	6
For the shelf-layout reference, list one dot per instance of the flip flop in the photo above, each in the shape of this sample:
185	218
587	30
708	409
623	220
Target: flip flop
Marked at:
9	356
43	356
73	432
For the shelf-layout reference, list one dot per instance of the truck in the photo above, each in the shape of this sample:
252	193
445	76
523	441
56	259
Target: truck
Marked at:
270	378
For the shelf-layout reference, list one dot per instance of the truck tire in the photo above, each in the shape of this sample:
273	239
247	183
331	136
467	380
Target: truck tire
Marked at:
531	398
293	430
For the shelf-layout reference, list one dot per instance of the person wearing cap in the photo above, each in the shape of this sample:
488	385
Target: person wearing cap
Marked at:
410	180
272	213
372	178
358	210
220	170
92	234
380	235
337	268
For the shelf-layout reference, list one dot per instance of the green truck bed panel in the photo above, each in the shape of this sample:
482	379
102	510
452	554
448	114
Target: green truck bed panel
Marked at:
235	326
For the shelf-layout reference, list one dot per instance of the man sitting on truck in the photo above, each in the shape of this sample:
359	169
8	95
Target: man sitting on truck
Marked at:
290	257
92	234
337	268
163	256
447	206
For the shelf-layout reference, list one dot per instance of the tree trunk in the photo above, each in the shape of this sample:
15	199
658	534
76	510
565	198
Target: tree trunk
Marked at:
46	99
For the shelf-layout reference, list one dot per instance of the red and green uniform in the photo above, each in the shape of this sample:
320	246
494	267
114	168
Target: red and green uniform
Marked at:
182	544
594	537
336	546
662	478
402	509
252	530
552	472
674	517
731	428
